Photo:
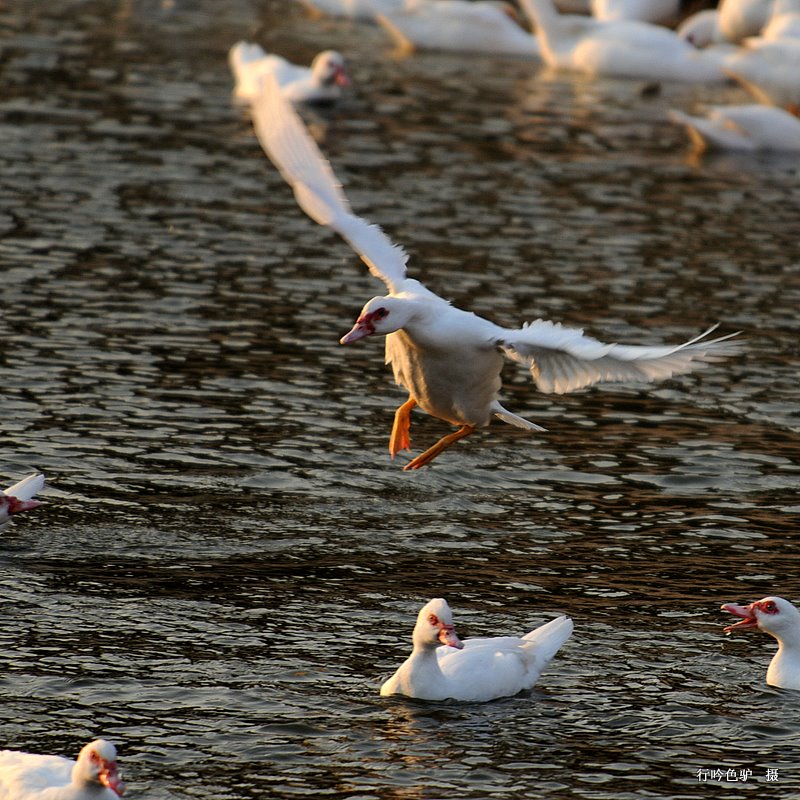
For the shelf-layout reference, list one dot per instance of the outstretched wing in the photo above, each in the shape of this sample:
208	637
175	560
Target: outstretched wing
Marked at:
562	359
290	147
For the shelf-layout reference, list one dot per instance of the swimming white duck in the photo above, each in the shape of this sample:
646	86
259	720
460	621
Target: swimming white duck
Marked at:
441	667
447	359
780	619
768	69
19	497
481	26
701	28
621	48
657	11
321	82
94	776
352	9
739	19
784	21
746	127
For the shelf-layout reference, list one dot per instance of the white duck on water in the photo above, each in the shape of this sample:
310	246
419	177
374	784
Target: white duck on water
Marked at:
94	776
442	667
747	128
19	497
321	82
618	48
780	619
447	359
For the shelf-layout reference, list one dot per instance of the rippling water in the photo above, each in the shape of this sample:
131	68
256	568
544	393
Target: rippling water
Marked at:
228	564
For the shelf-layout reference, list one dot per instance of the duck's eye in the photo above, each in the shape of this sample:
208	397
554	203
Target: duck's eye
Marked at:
770	607
433	619
381	313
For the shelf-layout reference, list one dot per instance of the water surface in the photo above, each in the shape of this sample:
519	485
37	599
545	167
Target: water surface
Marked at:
229	564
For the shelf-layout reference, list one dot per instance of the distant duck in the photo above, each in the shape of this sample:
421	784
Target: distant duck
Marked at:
768	69
19	498
701	28
746	127
621	49
780	619
94	776
441	667
739	19
656	11
321	82
482	26
352	9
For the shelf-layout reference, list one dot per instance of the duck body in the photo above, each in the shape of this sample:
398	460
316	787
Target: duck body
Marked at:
321	82
352	9
781	620
618	49
480	26
441	667
747	127
656	11
93	776
768	69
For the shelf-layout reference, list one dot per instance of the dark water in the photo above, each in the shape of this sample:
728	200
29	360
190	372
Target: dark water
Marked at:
228	564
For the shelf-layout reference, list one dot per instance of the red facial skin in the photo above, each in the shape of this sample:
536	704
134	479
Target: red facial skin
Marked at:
365	326
447	633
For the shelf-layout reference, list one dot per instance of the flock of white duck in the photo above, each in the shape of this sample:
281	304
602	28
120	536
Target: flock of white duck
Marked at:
449	360
753	42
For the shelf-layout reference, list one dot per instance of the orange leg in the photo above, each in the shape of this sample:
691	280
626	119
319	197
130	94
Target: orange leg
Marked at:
400	440
442	444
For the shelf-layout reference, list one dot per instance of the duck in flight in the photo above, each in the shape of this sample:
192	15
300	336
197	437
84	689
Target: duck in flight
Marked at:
449	360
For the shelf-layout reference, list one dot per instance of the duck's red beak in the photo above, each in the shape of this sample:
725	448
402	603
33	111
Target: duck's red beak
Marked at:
110	777
745	612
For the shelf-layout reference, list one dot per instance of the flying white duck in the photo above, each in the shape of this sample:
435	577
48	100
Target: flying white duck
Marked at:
617	48
321	82
441	667
769	69
780	619
480	26
19	497
447	359
659	11
747	127
94	776
352	9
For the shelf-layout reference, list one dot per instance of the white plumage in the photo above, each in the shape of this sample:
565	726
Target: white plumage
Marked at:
746	127
321	82
617	48
19	497
441	667
480	26
94	776
448	359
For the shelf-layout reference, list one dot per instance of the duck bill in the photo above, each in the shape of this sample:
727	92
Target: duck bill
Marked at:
17	506
342	78
110	777
748	618
360	331
447	636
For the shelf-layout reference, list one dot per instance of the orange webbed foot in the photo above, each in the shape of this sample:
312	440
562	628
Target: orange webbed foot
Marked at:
400	438
442	444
